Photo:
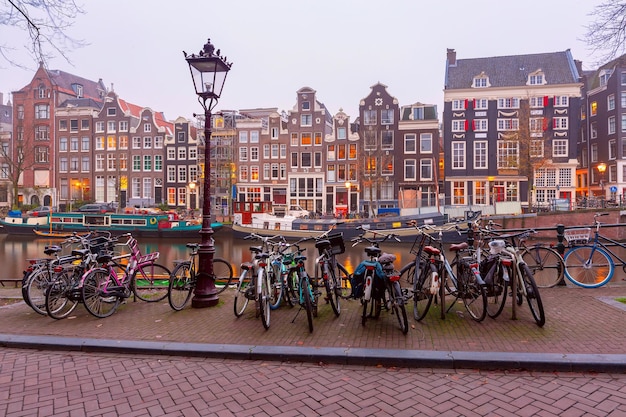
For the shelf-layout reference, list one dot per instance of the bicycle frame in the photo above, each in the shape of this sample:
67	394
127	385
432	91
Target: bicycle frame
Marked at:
599	241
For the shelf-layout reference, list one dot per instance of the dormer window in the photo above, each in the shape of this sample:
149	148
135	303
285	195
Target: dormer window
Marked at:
306	105
481	81
604	76
536	78
78	90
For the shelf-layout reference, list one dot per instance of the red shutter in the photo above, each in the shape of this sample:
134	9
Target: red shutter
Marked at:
466	125
545	124
546	101
466	103
474	125
474	103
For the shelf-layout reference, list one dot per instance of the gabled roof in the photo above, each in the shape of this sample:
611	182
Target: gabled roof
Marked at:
593	77
513	70
64	81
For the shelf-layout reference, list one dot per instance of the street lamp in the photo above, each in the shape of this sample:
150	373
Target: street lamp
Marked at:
192	195
208	72
601	169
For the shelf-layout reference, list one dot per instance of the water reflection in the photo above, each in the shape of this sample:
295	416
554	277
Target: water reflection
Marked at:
18	249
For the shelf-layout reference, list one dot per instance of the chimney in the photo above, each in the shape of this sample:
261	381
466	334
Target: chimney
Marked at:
1	99
451	57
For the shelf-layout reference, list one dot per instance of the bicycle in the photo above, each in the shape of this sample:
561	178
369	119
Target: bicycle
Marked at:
465	284
376	282
64	292
254	281
328	271
103	288
184	278
589	263
545	262
523	284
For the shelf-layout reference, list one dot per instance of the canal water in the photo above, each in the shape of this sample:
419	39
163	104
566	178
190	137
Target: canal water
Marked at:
18	249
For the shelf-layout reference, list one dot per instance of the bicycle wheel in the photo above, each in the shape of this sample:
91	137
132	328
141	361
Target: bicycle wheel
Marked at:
332	288
588	266
59	302
422	296
473	295
305	288
546	265
263	295
242	293
151	282
181	286
223	274
532	295
276	285
93	294
397	306
497	290
36	291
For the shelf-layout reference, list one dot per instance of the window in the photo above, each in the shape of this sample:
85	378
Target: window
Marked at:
535	124
85	164
62	124
560	123
508	103
508	124
480	125
99	162
193	153
147	162
254	153
111	111
306	105
306	160
481	104
370	140
182	154
426	142
330	153
508	154
481	82
536	102
306	120
243	173
42	111
426	169
458	155
243	154
458	125
387	140
136	162
123	142
254	173
480	192
318	139
20	112
182	173
341	133
410	146
171	154
480	154
254	136
147	187
158	142
283	151
243	136
409	170
41	154
99	143
147	142
147	128
594	152
593	130
42	133
623	100
99	127
171	174
611	122
63	164
612	149
123	161
306	139
458	192
559	147
594	108
341	152
458	104
274	133
369	117
74	164
136	188
111	162
136	142
386	116
536	148
111	143
84	143
610	102
74	144
63	144
561	101
110	127
74	125
536	79
294	159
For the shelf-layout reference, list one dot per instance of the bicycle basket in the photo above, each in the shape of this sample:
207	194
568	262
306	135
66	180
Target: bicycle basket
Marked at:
421	240
337	247
100	245
577	236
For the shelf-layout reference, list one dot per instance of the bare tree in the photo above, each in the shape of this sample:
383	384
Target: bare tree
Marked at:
45	22
606	34
17	161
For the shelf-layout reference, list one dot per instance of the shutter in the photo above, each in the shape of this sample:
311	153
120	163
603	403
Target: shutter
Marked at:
546	101
545	124
466	125
466	103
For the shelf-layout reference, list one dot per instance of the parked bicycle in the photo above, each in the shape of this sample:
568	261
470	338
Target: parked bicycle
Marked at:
254	281
375	281
299	288
185	277
103	288
590	262
328	271
439	277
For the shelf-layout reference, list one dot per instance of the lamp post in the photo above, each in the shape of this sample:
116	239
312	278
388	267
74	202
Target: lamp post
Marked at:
208	72
192	195
601	169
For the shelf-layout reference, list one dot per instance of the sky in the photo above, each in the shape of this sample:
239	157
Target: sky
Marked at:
340	48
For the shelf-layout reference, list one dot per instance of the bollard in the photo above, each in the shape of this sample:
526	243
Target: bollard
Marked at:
560	247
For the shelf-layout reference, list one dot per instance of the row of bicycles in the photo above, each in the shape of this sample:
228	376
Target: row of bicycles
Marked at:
100	271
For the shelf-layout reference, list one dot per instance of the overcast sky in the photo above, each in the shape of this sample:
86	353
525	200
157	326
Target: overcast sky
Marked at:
340	48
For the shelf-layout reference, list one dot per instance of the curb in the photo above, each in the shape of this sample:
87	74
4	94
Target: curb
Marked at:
544	362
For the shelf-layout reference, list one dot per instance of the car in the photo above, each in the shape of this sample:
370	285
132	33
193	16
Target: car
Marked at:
96	208
41	211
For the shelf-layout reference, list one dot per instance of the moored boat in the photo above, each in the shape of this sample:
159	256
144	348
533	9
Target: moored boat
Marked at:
144	225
